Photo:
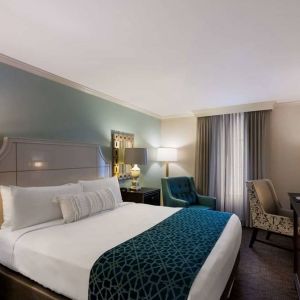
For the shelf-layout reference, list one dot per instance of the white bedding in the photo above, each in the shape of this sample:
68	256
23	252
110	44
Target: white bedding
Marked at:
60	256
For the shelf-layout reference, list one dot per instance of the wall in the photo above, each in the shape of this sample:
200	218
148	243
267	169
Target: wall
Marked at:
180	133
284	160
31	106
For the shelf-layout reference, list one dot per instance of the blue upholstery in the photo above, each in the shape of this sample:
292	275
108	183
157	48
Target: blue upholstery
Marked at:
181	192
180	187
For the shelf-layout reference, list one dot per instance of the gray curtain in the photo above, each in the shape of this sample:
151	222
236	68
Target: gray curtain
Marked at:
256	136
231	149
203	155
256	151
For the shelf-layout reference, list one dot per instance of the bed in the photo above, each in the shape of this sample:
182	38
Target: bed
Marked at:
39	262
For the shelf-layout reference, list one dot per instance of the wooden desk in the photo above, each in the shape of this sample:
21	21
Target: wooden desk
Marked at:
296	208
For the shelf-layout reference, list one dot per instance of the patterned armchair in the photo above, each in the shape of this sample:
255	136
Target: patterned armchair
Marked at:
181	191
266	211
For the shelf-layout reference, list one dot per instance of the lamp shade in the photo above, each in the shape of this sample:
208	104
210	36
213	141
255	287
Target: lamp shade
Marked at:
135	156
167	154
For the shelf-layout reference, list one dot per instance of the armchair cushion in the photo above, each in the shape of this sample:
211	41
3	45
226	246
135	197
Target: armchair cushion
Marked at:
285	213
179	202
180	187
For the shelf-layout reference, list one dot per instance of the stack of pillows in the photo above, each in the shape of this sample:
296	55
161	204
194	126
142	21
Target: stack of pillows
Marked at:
28	206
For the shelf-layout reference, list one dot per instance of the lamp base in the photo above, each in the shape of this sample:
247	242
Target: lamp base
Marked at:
135	186
135	174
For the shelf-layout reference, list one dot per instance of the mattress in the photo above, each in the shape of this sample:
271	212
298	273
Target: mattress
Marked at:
60	256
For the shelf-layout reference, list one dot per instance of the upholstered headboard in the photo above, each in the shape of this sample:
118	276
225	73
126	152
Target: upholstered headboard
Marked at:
32	162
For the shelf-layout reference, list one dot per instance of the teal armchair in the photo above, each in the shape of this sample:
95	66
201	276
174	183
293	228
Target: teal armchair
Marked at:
181	192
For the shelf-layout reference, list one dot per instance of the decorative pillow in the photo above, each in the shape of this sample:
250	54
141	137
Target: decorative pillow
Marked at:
85	204
27	206
99	184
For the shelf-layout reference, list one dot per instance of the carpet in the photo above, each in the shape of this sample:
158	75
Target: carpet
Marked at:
264	272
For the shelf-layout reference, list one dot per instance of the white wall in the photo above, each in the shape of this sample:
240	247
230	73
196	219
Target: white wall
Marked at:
284	160
180	133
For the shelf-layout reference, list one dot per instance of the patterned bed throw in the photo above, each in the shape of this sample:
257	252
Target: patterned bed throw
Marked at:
160	263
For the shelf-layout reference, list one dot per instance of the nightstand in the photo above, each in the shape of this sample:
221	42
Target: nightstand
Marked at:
144	195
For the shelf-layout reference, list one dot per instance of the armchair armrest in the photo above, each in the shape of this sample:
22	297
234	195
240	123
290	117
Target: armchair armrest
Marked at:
277	218
178	202
275	223
207	200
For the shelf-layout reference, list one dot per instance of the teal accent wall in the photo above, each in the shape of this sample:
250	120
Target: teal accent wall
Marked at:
35	107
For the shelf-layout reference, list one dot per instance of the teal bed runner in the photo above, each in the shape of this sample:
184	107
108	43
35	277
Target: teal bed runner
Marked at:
160	263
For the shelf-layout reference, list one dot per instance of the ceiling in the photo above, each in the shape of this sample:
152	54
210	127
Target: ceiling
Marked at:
169	57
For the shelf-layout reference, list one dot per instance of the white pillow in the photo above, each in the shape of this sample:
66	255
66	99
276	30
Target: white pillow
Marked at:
6	202
99	184
27	206
78	206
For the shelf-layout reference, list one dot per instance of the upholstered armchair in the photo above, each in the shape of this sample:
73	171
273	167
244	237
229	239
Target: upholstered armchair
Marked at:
181	191
266	211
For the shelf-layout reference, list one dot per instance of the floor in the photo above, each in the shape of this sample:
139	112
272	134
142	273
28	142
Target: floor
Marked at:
264	272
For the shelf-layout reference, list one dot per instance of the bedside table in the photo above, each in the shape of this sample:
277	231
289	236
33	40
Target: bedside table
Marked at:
144	195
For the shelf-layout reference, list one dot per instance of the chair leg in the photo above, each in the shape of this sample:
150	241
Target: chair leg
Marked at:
253	237
268	235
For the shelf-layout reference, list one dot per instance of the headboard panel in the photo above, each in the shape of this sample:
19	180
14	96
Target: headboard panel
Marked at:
33	162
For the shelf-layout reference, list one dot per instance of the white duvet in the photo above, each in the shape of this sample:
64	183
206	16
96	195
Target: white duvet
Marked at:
60	256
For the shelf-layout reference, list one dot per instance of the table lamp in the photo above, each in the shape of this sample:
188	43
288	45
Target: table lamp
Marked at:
167	155
135	156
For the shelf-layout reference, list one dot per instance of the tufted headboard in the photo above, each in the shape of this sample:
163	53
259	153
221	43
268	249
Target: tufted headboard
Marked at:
33	162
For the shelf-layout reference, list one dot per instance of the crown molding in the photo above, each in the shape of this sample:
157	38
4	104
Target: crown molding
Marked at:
179	116
287	103
45	74
235	109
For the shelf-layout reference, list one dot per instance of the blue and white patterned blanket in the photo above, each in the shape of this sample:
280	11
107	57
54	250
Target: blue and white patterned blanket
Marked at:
160	263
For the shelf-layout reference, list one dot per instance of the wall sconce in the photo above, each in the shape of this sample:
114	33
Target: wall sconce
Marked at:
38	164
167	155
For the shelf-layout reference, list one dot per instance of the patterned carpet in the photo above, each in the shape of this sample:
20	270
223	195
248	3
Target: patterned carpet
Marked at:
264	272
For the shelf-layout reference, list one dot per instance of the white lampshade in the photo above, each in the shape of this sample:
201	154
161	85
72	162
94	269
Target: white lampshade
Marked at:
167	154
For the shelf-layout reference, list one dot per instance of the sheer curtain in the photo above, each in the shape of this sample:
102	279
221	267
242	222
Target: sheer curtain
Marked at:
231	149
227	169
